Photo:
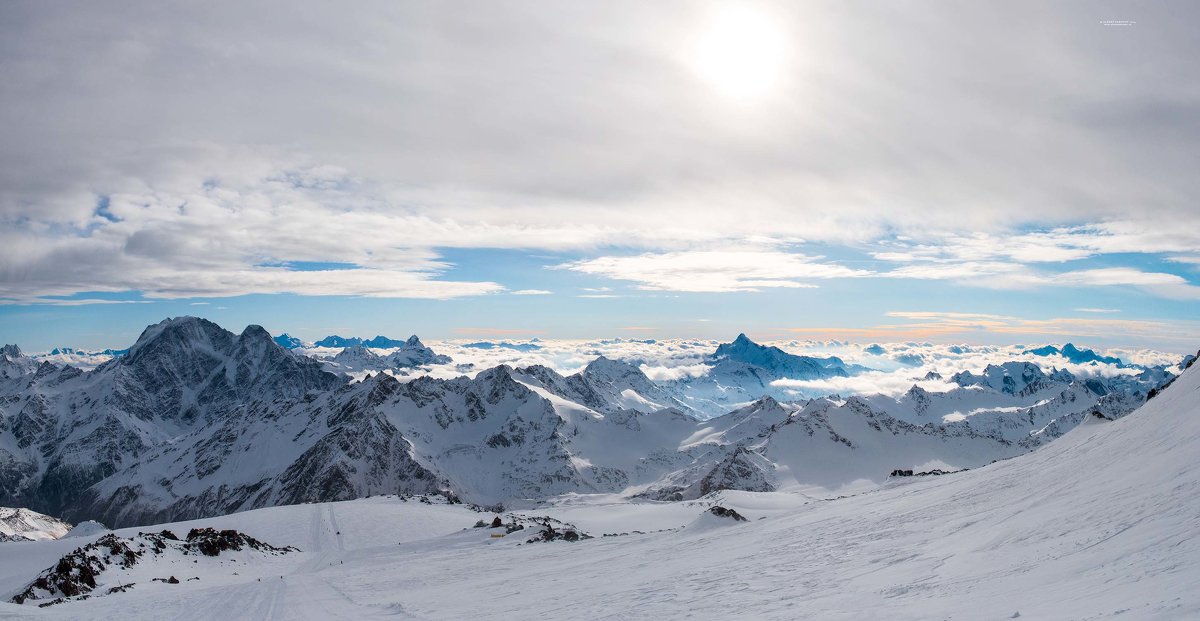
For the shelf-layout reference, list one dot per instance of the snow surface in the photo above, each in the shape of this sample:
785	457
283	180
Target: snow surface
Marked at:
1101	523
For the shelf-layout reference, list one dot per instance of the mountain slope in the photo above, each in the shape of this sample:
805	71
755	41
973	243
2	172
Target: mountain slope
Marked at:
62	430
1097	525
26	525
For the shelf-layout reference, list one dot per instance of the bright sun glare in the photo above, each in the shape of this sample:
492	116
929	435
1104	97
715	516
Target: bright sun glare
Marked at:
740	52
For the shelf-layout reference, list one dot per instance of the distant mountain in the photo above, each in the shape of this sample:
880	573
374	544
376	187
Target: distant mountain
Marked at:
742	371
379	342
410	353
337	341
383	342
1075	355
26	525
288	341
68	351
605	385
781	363
14	363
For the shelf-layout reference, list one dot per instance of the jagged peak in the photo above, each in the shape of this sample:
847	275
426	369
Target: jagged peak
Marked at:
412	341
916	391
11	350
255	331
173	325
604	364
767	401
498	372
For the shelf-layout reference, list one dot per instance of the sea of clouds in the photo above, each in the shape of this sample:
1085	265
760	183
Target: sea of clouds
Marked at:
896	367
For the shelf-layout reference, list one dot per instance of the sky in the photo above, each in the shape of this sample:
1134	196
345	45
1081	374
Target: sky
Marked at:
983	172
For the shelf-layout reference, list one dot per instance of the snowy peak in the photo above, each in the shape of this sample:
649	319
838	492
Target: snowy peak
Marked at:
288	341
1075	355
379	342
414	353
13	363
337	341
609	368
26	525
1013	378
407	354
779	362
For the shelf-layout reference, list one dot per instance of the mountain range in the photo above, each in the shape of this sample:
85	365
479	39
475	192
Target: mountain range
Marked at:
197	421
1075	355
288	341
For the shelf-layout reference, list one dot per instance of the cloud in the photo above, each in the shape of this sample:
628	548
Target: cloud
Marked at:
1165	285
891	384
170	156
1098	310
719	271
495	331
40	301
1010	275
531	292
974	326
669	374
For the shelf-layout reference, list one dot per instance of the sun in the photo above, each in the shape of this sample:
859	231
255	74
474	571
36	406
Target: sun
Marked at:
740	52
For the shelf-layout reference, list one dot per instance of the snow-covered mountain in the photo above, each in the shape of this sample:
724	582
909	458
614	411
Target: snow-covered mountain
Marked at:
25	525
198	421
379	342
288	341
61	429
1019	402
741	371
605	385
407	354
1075	355
14	363
1099	524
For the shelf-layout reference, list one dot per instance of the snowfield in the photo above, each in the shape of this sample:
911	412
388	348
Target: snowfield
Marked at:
1101	523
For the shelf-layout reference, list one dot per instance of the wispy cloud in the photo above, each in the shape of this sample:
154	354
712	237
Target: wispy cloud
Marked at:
483	331
1098	310
39	301
972	326
531	292
721	271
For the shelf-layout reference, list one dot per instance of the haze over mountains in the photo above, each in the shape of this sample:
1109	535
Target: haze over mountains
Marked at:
197	421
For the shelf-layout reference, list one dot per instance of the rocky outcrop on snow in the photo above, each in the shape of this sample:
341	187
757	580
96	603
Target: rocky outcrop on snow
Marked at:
90	568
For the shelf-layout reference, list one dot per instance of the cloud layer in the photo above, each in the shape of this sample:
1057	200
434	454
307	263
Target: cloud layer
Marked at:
211	151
